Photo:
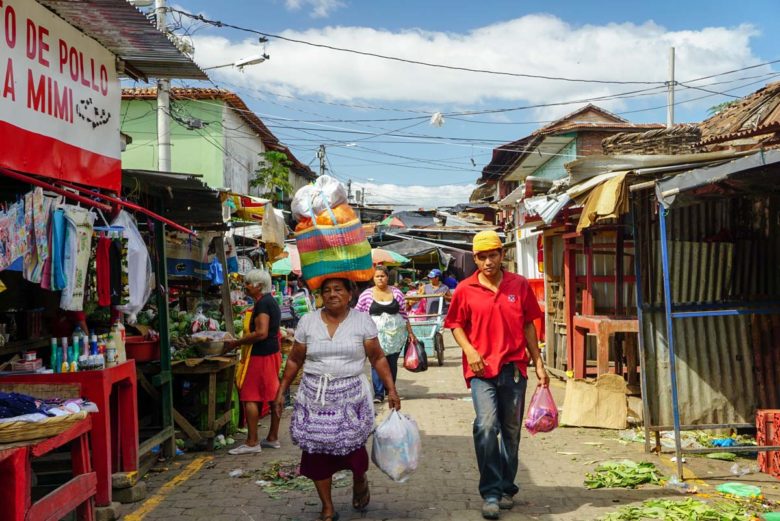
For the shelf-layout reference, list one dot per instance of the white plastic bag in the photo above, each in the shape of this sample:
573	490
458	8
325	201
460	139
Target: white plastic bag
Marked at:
396	448
311	200
139	267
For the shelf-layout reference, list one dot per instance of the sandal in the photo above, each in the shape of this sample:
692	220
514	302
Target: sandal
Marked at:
360	498
333	517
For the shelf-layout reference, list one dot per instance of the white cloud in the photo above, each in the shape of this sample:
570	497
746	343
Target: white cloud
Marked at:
538	44
320	8
415	195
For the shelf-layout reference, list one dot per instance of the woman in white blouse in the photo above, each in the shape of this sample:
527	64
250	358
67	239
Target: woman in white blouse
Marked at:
334	414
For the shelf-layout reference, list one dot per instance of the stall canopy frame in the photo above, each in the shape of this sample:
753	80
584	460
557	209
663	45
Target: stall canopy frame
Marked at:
741	176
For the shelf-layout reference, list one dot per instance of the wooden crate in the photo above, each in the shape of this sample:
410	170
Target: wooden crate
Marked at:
768	433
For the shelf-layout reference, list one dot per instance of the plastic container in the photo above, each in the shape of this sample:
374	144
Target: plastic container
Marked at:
142	350
31	365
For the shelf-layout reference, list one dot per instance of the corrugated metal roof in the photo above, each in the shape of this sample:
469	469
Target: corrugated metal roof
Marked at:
270	141
185	198
127	33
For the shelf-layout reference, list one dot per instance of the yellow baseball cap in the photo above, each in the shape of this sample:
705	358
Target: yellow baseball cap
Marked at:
487	240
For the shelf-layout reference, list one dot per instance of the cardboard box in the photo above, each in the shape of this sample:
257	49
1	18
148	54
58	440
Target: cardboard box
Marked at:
601	403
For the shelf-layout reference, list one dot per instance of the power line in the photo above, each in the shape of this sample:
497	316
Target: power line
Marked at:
217	23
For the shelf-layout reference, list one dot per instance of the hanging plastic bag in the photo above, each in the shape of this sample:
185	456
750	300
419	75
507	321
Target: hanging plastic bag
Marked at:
396	447
415	359
542	413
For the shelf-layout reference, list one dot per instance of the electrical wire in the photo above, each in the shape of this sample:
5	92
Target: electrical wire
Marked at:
218	23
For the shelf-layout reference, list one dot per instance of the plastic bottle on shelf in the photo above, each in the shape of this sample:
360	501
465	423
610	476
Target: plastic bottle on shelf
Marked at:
64	367
93	344
73	356
111	352
119	341
55	367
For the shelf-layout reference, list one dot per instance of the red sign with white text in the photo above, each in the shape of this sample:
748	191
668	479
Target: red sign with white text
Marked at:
59	99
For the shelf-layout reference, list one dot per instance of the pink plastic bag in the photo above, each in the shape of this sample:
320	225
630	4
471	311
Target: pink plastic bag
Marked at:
542	413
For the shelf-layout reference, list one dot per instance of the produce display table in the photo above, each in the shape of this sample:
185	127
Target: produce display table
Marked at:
118	416
603	328
16	478
207	369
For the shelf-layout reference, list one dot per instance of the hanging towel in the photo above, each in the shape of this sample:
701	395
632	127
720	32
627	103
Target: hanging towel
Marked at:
78	237
103	271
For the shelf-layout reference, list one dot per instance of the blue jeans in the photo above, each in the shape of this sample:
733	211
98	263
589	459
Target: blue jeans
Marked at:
499	403
379	387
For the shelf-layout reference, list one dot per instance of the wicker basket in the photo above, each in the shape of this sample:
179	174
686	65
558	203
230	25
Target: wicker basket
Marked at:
14	431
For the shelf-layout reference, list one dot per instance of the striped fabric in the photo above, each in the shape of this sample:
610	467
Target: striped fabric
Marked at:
334	251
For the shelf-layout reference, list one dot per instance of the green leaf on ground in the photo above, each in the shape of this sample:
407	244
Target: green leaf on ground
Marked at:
683	510
622	474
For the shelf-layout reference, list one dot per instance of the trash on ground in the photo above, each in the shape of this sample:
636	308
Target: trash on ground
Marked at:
673	459
740	490
724	442
279	478
743	470
683	510
622	474
236	473
682	487
723	456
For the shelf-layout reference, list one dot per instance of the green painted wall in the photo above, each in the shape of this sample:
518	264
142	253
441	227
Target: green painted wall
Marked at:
196	151
553	168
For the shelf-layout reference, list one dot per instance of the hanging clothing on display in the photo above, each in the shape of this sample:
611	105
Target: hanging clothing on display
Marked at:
36	220
120	294
49	205
78	238
57	251
103	271
139	266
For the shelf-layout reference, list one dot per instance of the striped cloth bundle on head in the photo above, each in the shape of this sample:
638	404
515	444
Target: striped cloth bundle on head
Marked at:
340	250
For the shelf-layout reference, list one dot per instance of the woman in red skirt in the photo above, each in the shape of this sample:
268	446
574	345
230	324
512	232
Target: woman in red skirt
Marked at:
261	383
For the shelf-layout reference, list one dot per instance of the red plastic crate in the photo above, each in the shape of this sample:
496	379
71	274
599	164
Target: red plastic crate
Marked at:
768	433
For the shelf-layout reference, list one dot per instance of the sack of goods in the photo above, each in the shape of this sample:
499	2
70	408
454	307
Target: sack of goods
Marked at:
396	447
330	237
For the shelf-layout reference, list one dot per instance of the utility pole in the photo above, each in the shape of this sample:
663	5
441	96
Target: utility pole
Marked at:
321	157
163	102
670	95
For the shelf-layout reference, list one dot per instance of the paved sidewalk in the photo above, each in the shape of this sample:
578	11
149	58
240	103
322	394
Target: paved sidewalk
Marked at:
551	476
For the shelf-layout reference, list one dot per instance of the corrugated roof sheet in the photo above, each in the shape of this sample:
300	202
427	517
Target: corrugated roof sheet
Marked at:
755	114
270	141
127	33
185	198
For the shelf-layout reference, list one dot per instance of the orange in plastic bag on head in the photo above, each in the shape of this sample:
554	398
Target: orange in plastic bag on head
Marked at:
303	224
343	213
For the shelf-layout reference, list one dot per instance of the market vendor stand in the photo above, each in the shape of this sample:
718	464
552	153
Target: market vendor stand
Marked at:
36	440
114	426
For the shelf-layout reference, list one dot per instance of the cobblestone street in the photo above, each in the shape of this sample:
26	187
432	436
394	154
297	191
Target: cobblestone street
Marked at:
197	487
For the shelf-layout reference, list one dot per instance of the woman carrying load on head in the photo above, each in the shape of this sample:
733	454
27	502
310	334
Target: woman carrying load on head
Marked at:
333	413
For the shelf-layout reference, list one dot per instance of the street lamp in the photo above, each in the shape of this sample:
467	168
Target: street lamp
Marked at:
243	62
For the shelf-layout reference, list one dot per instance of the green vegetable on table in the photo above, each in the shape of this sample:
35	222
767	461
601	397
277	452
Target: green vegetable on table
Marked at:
622	474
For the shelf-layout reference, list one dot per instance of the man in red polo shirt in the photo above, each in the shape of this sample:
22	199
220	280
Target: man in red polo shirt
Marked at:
491	316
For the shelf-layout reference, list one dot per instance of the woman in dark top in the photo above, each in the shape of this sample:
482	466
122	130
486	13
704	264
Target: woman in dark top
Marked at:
262	377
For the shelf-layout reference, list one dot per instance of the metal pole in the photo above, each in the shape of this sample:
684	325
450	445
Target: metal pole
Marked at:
670	95
163	103
670	341
640	319
321	157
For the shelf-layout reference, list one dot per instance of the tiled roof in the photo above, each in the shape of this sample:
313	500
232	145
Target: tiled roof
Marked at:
755	114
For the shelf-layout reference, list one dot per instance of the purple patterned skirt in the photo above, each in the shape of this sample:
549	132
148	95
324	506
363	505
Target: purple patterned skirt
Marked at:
332	416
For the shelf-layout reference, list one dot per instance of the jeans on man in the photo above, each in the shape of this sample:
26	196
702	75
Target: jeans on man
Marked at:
499	404
379	387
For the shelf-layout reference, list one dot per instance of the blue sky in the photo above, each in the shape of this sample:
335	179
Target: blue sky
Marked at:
310	96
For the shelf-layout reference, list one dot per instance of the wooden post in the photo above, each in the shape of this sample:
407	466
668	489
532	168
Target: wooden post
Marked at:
227	306
570	296
166	380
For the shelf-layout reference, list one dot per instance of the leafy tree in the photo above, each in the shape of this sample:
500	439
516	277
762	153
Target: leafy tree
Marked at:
273	174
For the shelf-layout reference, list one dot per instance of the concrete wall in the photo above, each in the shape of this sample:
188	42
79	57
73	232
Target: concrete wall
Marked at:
242	153
195	151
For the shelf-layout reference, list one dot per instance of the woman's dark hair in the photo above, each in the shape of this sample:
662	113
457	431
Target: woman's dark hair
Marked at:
348	284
